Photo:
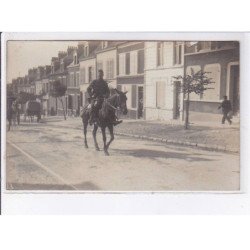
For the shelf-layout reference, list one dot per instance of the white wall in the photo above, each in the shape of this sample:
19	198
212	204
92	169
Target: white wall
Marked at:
103	58
86	64
165	73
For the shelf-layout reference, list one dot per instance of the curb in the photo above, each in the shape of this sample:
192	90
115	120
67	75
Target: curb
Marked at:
209	147
182	143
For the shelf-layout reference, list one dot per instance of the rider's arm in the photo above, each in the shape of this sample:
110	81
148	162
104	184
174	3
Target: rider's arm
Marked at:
89	89
107	91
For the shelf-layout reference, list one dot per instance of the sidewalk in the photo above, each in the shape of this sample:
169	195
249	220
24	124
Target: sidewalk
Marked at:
205	135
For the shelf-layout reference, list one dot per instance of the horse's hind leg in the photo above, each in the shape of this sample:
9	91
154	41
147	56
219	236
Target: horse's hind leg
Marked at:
94	136
111	131
85	125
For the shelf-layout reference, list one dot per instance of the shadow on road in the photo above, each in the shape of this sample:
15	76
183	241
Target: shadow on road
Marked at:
153	154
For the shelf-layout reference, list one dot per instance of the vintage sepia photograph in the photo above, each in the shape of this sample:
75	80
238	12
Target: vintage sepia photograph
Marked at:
122	115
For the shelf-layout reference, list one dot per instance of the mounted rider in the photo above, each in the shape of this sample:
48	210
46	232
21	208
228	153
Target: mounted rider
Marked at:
98	90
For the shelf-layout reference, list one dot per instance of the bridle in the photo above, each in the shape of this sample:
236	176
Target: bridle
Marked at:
112	106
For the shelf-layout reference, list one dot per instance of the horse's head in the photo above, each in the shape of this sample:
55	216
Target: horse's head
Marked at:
122	101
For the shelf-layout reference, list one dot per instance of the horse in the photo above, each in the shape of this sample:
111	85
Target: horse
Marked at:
13	114
106	114
32	109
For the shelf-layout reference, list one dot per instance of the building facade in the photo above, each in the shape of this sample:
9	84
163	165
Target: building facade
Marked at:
73	86
59	72
221	61
87	63
106	59
163	98
130	77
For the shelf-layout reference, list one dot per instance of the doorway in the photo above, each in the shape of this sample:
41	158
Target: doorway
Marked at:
234	88
140	102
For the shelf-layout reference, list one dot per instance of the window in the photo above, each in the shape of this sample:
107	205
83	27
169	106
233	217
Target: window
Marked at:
214	73
82	74
160	50
86	50
70	102
127	64
160	94
77	79
72	79
110	69
122	64
91	73
177	53
99	65
133	62
140	63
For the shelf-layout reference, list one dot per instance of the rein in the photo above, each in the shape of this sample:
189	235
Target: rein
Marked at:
113	107
110	105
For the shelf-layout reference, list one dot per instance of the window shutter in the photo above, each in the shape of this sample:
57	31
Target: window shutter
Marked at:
140	68
127	63
112	68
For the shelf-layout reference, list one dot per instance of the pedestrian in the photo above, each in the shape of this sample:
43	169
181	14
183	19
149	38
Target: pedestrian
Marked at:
226	108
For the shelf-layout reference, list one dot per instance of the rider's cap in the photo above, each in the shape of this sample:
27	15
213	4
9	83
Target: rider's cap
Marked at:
100	70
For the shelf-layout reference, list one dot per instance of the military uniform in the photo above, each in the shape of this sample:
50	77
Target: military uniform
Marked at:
97	90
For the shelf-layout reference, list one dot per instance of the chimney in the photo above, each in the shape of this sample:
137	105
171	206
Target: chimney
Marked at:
61	54
71	49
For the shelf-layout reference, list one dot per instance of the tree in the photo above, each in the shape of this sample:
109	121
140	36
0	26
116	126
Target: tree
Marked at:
196	83
58	91
24	97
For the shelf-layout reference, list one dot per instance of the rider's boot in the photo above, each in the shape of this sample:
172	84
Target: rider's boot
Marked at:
116	121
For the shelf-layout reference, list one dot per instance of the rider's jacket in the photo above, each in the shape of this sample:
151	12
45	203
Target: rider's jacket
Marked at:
98	88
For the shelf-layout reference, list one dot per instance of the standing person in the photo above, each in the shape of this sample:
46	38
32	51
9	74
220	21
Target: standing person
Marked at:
226	108
98	90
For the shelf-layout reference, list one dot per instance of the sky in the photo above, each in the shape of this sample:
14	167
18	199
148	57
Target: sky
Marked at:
23	55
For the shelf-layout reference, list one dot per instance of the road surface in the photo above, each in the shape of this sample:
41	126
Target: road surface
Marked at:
46	156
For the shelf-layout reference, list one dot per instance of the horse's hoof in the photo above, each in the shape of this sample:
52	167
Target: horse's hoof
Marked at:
97	149
106	153
86	146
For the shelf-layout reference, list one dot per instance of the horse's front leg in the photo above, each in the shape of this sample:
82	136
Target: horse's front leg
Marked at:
85	125
111	131
104	141
94	136
9	124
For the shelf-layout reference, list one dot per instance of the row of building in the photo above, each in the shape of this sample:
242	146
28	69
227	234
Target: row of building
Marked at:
146	70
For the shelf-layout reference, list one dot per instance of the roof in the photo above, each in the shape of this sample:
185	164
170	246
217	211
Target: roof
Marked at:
90	56
111	45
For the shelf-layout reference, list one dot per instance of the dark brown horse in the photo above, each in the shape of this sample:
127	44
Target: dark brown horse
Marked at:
106	115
